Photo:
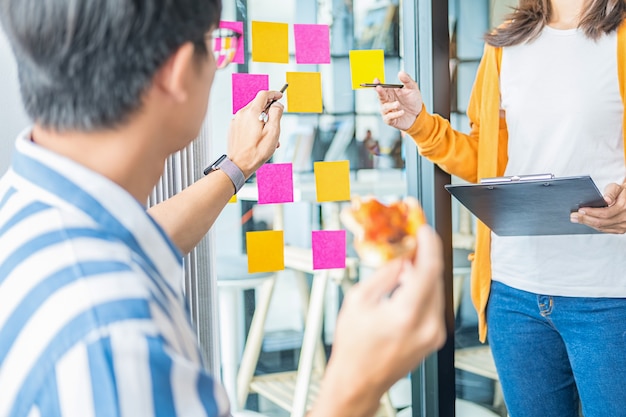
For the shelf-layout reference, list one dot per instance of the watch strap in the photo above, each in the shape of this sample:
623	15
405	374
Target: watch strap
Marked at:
229	168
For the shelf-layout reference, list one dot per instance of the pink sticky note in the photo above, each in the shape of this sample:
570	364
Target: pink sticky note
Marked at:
275	183
329	249
238	27
246	87
312	44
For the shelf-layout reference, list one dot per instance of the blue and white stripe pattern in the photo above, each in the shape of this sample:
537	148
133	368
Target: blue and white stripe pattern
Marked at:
92	315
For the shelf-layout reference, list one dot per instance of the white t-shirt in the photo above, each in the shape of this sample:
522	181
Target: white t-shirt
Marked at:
564	116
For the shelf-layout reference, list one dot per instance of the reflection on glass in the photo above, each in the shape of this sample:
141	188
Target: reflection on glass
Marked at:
377	25
477	387
348	128
224	43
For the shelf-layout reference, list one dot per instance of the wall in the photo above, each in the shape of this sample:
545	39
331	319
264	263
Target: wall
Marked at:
12	116
499	9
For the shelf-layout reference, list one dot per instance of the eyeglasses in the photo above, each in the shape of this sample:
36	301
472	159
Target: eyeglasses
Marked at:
224	43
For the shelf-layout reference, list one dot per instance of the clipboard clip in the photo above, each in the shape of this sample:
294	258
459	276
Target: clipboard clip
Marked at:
515	178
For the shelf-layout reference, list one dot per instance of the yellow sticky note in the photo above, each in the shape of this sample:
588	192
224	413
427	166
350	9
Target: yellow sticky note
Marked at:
305	92
270	42
233	199
266	251
366	65
332	181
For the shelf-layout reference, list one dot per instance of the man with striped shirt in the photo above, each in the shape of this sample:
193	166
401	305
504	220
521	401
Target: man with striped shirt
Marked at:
93	321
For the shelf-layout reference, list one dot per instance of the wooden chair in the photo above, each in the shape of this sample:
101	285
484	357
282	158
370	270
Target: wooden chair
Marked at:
295	391
232	279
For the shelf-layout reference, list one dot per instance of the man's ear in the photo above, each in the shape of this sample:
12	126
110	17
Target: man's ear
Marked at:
172	79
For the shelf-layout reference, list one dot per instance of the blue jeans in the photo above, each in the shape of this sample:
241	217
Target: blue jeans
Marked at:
551	352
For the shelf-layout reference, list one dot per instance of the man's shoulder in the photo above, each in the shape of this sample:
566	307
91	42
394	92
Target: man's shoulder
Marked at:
31	227
60	267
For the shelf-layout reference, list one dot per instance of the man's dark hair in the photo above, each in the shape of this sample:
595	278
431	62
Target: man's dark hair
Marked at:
85	64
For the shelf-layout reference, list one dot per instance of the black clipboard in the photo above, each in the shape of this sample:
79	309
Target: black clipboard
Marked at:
530	205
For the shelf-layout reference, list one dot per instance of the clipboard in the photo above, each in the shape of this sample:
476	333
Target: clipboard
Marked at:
530	205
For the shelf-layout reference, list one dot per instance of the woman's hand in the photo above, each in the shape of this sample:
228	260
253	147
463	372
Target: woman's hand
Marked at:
251	141
611	219
400	106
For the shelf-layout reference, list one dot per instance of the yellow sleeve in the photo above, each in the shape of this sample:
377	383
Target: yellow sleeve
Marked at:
455	152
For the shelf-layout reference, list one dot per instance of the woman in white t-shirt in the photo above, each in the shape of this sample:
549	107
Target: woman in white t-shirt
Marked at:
548	97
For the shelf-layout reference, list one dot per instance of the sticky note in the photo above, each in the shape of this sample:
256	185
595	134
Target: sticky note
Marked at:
275	183
312	43
233	199
266	251
332	181
365	66
329	249
270	42
246	87
304	94
237	27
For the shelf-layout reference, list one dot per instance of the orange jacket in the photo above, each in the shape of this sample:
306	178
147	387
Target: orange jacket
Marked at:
483	152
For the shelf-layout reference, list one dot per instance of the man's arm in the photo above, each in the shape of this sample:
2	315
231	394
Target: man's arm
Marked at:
188	216
386	326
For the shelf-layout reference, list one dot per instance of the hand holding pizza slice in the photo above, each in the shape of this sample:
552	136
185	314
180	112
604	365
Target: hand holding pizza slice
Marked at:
383	232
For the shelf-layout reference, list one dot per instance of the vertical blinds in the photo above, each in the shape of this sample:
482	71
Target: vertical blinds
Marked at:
181	170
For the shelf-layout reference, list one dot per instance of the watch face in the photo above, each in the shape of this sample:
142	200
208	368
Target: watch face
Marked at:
215	165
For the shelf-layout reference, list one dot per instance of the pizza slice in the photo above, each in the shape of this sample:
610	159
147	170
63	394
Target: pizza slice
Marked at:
383	232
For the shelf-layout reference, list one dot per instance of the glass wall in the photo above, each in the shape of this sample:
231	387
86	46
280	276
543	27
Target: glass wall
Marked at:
476	378
440	45
347	128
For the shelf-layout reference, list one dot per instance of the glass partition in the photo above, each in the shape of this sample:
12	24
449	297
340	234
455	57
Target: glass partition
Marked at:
381	162
476	377
474	383
348	128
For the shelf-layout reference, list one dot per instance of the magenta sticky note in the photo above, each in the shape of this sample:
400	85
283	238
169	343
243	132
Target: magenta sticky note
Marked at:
246	87
275	183
312	43
237	27
329	249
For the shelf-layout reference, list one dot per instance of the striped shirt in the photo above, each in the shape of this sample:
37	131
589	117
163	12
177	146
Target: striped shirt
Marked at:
93	321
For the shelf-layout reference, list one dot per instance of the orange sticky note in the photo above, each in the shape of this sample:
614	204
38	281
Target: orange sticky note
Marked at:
304	94
366	65
332	181
270	42
266	251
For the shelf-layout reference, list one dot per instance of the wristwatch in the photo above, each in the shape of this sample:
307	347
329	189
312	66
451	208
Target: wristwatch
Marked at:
229	168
